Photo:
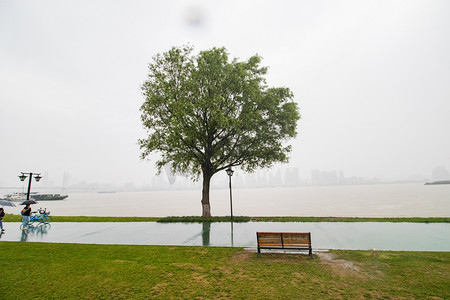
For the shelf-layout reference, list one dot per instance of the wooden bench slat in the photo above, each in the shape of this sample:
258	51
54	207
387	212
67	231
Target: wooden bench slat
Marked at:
284	240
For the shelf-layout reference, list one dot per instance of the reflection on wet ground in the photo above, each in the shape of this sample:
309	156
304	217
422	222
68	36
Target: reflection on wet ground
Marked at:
37	231
382	236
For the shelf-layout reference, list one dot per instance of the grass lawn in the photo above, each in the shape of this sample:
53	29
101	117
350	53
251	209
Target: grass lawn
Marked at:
190	219
77	271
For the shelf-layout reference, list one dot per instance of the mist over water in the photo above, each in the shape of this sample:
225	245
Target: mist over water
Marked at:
383	200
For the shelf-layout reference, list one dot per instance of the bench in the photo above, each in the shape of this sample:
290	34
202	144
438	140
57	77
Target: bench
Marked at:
284	240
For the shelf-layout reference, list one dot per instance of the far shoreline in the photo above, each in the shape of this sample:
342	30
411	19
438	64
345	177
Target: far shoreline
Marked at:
237	219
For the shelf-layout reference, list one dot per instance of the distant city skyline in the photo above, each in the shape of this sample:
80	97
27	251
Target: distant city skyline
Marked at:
276	177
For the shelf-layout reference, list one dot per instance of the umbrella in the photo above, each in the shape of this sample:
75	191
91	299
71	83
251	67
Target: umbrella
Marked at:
6	203
26	202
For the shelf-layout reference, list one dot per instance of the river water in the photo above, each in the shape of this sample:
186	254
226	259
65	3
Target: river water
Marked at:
384	200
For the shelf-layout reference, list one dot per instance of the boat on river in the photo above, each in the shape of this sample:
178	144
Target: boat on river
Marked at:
438	182
15	197
18	197
48	197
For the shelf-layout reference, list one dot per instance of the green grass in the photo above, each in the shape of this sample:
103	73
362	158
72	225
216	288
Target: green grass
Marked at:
351	219
190	219
17	218
76	271
195	219
301	219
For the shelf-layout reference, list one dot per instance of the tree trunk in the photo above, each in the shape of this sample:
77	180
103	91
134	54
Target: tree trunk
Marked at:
206	209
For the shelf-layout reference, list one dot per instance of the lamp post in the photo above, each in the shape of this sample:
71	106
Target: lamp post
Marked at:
22	177
230	173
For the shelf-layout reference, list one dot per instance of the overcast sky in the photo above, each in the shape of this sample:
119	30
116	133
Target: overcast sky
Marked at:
372	79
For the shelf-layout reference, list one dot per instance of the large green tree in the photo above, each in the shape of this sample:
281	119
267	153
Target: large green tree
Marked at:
205	113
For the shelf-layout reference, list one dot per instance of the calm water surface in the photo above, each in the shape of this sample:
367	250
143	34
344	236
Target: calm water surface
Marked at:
382	236
386	200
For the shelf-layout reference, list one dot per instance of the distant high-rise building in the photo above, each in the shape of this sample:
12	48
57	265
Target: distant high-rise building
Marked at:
65	182
275	178
440	173
291	177
324	177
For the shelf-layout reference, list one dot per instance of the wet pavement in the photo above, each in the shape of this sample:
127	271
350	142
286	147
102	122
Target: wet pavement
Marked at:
381	236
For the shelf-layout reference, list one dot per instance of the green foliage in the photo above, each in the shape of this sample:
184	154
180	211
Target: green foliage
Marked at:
195	219
77	271
204	113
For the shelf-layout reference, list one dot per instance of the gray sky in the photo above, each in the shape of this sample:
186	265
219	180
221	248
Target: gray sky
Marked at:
372	79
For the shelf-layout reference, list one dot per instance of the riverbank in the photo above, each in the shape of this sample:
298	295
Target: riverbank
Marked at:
237	219
71	271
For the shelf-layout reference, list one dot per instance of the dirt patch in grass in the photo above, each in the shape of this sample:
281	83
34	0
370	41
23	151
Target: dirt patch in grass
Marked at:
242	256
123	261
199	279
341	267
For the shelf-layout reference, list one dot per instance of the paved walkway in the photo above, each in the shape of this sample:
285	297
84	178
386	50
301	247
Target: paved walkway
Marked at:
382	236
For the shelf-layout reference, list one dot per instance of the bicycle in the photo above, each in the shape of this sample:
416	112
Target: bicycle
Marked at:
43	217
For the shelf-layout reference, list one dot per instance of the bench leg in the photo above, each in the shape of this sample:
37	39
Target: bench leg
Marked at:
259	251
310	253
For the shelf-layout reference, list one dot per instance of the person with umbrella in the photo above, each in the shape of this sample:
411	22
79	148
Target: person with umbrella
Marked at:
26	214
2	212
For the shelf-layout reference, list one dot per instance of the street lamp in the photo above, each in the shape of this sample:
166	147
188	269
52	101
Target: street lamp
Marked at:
230	173
23	176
